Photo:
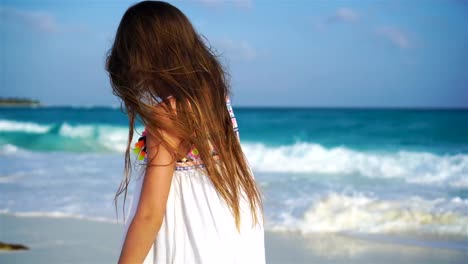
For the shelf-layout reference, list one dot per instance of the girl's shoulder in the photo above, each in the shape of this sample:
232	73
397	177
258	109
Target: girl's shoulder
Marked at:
140	146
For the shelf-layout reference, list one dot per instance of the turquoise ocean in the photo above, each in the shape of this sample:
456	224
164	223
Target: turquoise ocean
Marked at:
398	174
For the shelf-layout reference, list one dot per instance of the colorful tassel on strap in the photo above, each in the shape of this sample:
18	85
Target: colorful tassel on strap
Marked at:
140	147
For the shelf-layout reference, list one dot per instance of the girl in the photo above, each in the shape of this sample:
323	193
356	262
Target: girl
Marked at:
197	200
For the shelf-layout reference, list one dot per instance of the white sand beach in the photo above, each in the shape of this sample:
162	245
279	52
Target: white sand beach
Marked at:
69	240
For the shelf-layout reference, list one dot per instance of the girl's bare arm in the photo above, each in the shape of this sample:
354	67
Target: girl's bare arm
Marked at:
152	204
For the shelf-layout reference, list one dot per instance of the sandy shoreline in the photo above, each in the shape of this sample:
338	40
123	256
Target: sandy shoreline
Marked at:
68	240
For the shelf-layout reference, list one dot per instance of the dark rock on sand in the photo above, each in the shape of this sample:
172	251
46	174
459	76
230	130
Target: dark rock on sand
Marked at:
12	247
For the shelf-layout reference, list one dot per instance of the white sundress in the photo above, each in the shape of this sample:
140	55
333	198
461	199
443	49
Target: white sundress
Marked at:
198	227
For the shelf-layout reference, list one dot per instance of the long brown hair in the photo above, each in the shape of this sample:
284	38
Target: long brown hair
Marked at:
157	53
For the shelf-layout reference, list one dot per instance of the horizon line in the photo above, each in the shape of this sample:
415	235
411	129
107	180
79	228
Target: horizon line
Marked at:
349	107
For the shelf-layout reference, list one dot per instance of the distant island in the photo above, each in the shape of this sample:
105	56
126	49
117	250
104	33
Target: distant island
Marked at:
18	102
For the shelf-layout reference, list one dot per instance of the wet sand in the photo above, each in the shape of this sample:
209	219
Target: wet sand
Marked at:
69	240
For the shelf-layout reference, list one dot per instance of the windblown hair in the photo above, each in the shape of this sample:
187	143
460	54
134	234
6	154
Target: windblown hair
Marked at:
157	53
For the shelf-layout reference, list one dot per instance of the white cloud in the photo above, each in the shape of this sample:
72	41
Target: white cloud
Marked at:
347	15
217	3
41	21
235	50
394	35
38	20
341	15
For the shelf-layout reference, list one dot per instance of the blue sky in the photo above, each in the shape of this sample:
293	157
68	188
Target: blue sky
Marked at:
279	53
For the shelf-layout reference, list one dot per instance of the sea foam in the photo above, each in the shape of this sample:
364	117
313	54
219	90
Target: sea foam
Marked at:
417	167
359	213
413	167
28	127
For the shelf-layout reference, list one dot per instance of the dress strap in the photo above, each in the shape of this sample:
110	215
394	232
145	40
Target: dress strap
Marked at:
233	117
